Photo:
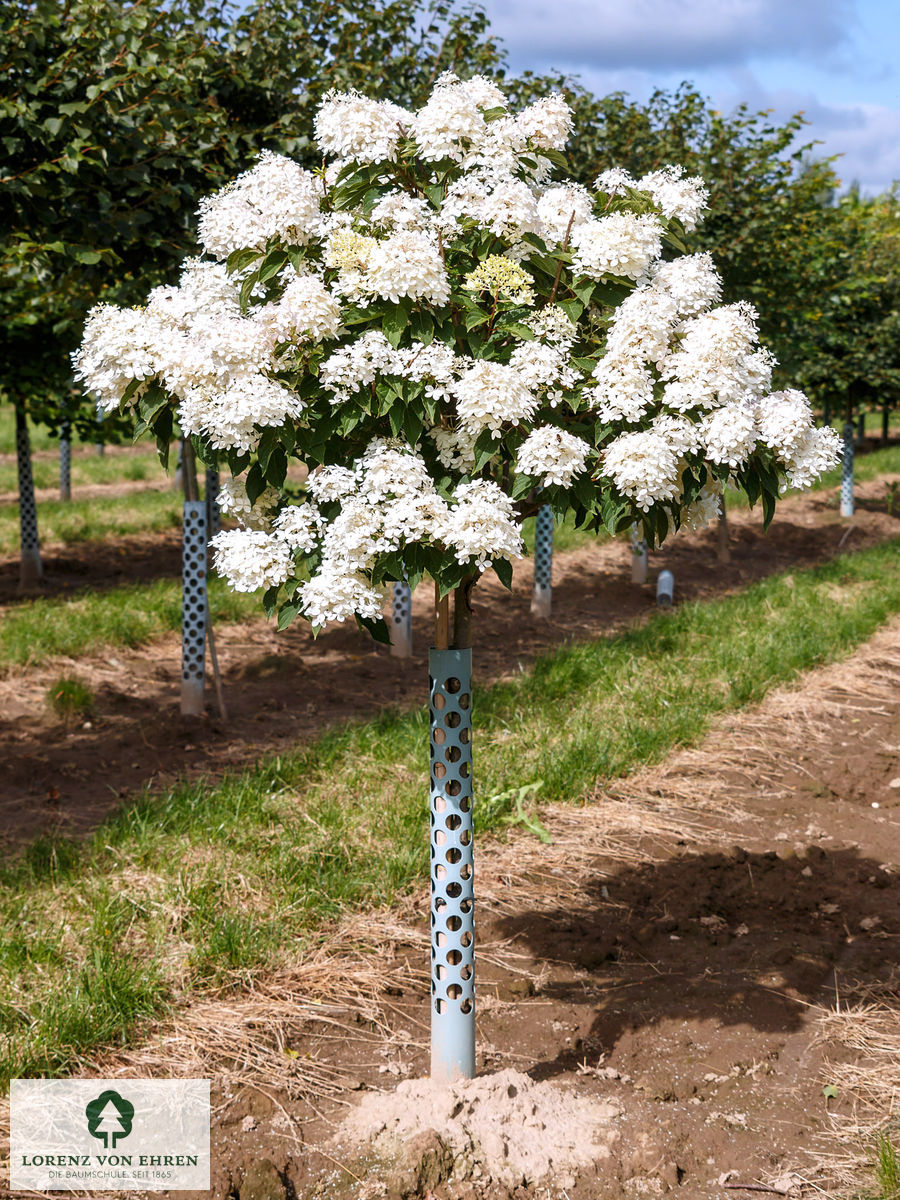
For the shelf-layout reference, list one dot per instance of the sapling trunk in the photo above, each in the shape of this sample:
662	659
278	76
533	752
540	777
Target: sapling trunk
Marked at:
462	614
885	424
723	551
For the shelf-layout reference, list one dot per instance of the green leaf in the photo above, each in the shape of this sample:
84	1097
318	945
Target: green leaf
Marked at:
238	259
272	264
287	614
503	570
395	322
572	308
255	484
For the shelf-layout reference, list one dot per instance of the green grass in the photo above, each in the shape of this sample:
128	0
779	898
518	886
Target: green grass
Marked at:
76	522
40	629
208	885
118	465
71	699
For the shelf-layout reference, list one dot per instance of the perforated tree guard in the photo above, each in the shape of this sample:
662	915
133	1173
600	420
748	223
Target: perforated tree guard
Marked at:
213	516
194	608
542	596
452	875
401	620
31	569
65	461
847	473
639	555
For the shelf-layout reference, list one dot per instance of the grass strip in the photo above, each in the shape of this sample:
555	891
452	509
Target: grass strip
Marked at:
32	632
205	886
76	522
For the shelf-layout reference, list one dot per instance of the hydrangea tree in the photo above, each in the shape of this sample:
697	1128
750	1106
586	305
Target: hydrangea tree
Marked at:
447	332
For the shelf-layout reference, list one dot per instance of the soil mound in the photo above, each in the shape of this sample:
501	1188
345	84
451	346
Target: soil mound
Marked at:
503	1126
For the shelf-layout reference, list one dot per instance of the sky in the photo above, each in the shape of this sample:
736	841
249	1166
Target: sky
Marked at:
836	60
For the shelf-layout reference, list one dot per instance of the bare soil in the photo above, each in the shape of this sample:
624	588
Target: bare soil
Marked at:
283	688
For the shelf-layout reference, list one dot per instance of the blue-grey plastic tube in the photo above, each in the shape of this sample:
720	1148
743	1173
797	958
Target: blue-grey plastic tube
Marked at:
665	589
638	555
452	867
401	620
542	596
847	473
194	610
65	460
31	569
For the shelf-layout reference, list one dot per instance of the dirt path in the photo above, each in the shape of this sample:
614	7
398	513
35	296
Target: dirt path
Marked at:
699	949
284	687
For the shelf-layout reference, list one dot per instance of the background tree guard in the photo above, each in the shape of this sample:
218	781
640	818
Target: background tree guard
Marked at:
401	620
195	609
847	473
542	595
452	867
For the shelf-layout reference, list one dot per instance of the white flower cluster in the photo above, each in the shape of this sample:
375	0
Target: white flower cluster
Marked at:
552	455
193	340
685	198
387	501
277	198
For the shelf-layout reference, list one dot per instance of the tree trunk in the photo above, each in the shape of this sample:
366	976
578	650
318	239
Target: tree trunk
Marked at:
462	614
31	569
723	550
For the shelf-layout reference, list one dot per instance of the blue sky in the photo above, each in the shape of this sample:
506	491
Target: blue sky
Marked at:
837	60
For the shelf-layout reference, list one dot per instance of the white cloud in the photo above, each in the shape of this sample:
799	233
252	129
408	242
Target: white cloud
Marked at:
669	34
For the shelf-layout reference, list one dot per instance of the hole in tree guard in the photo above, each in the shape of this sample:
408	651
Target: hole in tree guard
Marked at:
454	855
440	804
440	837
439	904
440	972
453	754
465	804
464	770
439	737
454	891
439	1006
440	939
440	770
465	906
454	821
453	720
454	923
454	787
464	700
440	872
437	699
454	957
466	870
466	938
454	991
464	736
466	1007
452	685
465	837
466	972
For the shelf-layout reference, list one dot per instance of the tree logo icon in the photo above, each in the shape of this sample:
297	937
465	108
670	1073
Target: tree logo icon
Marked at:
109	1117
